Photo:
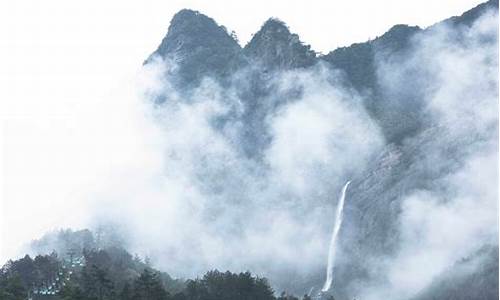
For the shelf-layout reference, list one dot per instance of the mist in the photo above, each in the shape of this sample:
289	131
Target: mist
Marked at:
207	204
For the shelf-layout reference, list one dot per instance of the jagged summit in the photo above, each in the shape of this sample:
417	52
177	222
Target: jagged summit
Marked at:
190	28
199	46
274	26
274	46
186	15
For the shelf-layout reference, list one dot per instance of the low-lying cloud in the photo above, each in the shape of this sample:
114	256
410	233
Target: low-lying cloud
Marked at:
214	206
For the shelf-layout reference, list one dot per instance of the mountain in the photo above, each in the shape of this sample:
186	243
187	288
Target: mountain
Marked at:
201	48
259	139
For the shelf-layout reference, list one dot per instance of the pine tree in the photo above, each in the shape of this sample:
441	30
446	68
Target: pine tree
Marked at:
12	288
126	293
149	287
97	283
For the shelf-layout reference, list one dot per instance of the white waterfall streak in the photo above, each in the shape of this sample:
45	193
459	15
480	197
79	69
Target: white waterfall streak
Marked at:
336	228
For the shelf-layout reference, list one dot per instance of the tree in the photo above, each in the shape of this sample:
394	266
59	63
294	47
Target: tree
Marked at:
216	285
72	292
47	267
25	269
149	287
234	36
97	284
179	296
12	288
127	292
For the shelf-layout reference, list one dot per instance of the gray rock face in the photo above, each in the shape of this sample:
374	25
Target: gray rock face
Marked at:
460	283
274	47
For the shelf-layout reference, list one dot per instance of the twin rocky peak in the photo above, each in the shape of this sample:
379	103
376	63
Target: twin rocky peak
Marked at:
198	42
201	47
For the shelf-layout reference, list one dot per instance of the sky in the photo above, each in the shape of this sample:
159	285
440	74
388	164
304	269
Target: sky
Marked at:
59	60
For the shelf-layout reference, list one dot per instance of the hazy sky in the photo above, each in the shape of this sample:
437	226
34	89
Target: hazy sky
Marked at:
59	59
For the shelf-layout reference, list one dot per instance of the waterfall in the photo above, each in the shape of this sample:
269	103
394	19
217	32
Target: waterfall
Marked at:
331	251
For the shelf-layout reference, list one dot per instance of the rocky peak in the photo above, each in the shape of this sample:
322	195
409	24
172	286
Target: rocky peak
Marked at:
274	28
199	46
275	47
191	30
